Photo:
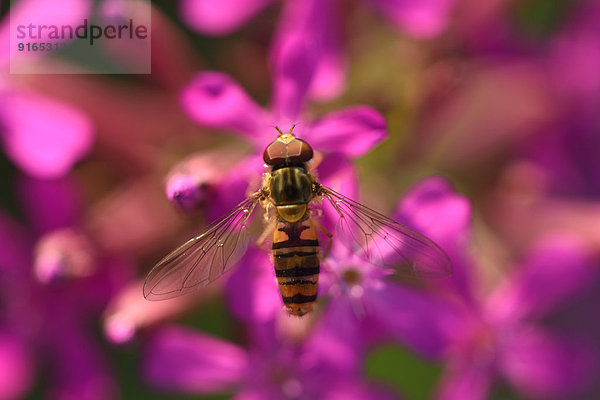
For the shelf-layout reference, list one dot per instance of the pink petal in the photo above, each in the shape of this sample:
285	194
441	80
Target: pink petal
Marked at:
433	208
470	382
43	136
219	17
351	131
120	224
294	66
544	366
79	367
557	268
16	368
436	210
321	19
128	311
186	361
39	12
575	55
336	340
189	181
215	100
253	294
15	245
419	18
64	254
240	181
61	207
415	318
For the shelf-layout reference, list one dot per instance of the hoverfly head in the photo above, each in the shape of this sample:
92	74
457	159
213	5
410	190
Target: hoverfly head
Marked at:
287	150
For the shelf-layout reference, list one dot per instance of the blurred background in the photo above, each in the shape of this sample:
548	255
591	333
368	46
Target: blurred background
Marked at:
493	139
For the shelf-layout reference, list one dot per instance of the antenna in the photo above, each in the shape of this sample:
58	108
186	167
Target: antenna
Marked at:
279	130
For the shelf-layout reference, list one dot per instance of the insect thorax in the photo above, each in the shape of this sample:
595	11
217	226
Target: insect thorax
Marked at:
291	190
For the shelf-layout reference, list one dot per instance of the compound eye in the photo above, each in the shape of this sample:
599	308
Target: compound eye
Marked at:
299	151
275	153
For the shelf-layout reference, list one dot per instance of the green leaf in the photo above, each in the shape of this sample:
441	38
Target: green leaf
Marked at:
411	376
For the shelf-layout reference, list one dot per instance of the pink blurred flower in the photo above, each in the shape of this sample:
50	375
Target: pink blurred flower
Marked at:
270	368
319	22
501	336
378	305
16	367
43	136
128	311
49	322
218	180
214	100
418	18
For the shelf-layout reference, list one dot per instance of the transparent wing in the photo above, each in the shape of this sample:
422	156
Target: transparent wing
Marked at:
203	258
382	241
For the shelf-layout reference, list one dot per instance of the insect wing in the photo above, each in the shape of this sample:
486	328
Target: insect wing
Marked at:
203	258
382	241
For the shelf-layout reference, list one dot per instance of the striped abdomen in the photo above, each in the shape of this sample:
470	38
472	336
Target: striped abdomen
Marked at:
296	259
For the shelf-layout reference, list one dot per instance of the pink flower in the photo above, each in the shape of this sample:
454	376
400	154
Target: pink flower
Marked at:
271	367
501	336
214	100
317	21
49	322
41	135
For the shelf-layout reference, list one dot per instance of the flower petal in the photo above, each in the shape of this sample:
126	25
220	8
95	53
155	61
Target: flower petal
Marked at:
16	368
252	289
336	341
79	367
184	360
43	136
433	208
189	182
557	268
294	60
351	131
419	18
575	56
236	185
219	17
120	223
545	366
469	381
60	207
128	311
40	12
215	100
15	250
321	20
421	322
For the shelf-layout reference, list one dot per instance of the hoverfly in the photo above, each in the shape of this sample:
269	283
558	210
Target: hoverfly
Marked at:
291	189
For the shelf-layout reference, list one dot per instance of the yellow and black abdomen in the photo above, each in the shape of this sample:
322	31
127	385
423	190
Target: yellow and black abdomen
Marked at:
296	259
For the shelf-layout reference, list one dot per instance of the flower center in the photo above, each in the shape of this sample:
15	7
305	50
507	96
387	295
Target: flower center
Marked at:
351	277
214	89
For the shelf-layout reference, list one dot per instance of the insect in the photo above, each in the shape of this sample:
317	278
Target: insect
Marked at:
290	190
